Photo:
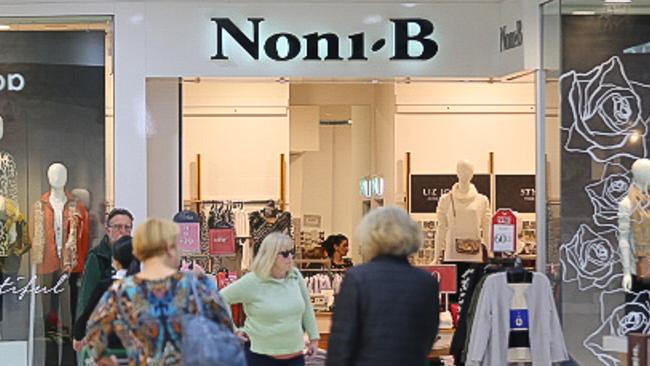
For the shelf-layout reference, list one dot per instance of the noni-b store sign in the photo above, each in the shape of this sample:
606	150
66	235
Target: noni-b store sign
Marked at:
318	39
411	39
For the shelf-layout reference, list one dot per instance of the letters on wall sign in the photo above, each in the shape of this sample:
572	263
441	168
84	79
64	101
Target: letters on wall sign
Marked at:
307	44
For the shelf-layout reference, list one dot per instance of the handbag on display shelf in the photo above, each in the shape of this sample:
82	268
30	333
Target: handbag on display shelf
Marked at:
464	245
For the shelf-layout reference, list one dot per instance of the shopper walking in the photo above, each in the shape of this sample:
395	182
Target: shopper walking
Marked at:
146	310
277	306
98	263
386	313
122	258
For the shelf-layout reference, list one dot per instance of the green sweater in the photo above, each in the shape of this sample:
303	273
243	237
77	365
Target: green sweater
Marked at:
278	312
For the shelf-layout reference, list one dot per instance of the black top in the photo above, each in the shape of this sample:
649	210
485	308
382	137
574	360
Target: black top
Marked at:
385	315
347	263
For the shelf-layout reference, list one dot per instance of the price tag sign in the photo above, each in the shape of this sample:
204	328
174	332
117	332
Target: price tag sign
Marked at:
189	239
504	231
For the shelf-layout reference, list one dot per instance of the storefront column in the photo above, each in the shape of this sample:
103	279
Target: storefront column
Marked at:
130	109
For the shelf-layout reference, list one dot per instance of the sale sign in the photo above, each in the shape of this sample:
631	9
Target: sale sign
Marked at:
504	231
189	238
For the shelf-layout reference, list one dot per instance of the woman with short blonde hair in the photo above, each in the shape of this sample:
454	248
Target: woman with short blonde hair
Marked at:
386	313
154	237
277	306
267	254
146	310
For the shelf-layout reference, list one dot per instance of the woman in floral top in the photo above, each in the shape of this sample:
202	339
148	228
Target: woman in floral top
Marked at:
146	310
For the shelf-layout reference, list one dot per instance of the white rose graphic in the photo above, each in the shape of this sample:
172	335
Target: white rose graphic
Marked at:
607	193
609	120
625	318
590	259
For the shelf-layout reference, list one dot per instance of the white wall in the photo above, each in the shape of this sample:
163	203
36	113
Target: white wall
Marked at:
441	123
162	147
240	130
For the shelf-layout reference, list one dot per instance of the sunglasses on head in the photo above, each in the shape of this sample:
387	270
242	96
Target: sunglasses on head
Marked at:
285	253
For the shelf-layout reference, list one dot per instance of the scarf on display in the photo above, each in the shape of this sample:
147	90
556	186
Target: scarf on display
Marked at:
464	197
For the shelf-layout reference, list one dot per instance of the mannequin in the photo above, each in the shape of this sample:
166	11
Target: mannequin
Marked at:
634	226
60	227
463	220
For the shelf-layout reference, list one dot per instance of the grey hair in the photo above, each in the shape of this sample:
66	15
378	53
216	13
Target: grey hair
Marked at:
389	231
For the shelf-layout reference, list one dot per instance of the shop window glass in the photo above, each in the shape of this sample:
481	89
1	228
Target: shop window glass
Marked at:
598	89
55	177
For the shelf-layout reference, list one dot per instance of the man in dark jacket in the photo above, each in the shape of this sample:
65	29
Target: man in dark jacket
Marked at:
98	263
386	313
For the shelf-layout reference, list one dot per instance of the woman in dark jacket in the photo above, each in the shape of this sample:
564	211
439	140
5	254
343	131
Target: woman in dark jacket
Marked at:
387	311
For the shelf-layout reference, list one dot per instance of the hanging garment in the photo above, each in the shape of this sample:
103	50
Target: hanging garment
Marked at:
74	237
13	230
261	226
488	343
8	176
247	255
242	225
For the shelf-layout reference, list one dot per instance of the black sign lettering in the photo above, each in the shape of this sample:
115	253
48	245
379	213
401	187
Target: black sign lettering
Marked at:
332	46
249	42
252	47
508	40
402	39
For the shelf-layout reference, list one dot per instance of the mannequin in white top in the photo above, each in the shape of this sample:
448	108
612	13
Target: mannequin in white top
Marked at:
57	175
634	222
463	215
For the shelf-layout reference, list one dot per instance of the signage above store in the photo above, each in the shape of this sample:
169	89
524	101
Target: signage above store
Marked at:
407	42
12	82
512	39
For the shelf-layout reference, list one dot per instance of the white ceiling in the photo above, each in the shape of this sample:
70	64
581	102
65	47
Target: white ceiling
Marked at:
261	1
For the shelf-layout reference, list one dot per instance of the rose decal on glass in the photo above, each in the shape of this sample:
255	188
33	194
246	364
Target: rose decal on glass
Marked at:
626	318
607	193
590	259
609	120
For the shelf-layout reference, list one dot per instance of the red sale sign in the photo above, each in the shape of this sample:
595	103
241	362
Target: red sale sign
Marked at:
446	275
504	231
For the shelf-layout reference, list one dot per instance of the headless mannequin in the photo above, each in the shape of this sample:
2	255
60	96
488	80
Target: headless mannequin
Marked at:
628	245
462	213
57	175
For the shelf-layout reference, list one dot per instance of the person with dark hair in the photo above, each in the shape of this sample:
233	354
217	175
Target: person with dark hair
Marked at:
119	223
122	253
337	247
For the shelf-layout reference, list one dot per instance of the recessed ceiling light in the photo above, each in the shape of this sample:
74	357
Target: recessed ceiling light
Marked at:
618	1
4	27
583	12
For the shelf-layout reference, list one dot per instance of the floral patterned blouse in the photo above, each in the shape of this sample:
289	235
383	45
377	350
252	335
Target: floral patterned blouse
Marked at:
147	315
